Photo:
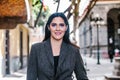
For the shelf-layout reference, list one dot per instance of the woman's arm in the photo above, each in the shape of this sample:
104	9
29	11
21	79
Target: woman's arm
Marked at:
79	67
32	65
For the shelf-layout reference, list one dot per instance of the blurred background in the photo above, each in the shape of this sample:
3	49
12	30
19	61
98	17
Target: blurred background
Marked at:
94	26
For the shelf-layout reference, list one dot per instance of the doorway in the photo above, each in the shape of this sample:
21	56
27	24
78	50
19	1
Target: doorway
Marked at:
21	49
113	25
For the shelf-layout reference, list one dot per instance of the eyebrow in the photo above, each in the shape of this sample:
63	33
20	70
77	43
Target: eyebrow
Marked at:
58	24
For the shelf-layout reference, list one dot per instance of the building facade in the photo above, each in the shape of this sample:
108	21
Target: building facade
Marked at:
14	49
14	36
102	33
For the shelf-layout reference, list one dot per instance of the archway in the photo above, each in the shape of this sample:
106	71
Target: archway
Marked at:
113	22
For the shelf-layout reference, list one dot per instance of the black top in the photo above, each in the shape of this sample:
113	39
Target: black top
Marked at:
56	58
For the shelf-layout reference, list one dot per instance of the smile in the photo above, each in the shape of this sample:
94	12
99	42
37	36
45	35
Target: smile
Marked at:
58	33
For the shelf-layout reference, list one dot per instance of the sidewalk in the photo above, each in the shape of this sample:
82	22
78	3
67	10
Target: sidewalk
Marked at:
20	75
94	71
98	71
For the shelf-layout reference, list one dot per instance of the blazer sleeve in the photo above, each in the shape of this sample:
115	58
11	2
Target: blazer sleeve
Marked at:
79	67
32	65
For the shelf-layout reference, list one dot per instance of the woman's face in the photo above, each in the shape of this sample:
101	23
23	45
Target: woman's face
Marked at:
57	28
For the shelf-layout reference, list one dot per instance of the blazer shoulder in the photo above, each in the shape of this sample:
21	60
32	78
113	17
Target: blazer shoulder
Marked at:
38	45
74	47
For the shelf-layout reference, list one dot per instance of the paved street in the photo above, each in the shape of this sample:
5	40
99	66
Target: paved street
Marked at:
95	71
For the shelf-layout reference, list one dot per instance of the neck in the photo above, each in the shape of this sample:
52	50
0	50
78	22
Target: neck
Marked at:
56	42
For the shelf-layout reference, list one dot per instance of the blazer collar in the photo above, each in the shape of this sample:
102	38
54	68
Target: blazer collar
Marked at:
63	52
49	52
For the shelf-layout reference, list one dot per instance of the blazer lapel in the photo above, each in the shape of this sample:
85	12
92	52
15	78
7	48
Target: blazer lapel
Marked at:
49	52
63	54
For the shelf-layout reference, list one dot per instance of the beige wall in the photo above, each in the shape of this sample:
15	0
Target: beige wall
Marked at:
2	52
14	35
2	42
14	48
25	39
15	40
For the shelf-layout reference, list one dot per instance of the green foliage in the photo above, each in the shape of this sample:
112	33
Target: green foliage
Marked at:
36	5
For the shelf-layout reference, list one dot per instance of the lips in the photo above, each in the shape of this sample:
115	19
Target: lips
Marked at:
58	33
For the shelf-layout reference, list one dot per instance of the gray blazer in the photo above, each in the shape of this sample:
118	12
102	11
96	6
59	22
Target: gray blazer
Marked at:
41	63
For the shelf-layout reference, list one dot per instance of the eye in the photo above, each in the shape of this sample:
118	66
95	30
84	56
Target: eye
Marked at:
53	24
61	24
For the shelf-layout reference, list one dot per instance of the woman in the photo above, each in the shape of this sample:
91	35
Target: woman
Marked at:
56	57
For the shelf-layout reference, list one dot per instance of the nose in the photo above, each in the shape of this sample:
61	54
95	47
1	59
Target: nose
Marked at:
57	27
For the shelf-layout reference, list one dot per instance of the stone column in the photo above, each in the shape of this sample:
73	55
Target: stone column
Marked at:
116	71
117	67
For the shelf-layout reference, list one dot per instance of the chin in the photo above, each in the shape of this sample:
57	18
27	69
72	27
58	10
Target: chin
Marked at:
57	38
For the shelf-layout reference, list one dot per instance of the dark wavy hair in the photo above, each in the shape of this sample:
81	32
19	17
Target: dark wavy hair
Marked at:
47	31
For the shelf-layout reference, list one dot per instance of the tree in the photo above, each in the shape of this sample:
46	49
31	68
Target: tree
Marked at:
40	12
